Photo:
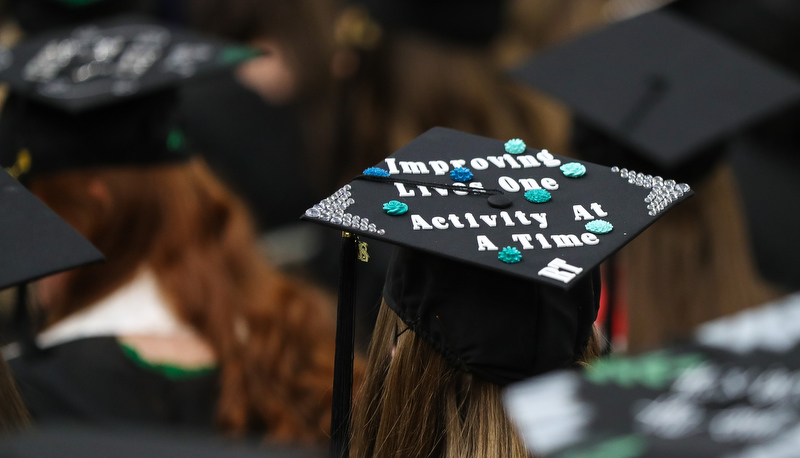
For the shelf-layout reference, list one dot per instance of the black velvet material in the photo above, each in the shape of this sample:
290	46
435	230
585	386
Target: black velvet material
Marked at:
500	328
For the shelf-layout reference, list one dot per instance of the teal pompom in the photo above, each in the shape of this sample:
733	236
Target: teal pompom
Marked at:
395	208
376	172
509	255
599	226
461	174
538	196
573	169
515	146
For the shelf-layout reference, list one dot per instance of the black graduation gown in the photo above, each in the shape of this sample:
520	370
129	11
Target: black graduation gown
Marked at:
92	381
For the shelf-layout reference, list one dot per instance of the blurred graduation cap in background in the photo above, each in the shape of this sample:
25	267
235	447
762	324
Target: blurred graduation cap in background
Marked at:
498	249
768	153
731	392
103	94
73	442
34	241
657	92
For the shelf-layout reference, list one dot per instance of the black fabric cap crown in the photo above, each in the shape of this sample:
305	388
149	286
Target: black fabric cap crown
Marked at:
501	328
461	239
471	22
103	94
34	241
661	87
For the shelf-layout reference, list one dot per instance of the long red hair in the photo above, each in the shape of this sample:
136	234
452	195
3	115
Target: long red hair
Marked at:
273	337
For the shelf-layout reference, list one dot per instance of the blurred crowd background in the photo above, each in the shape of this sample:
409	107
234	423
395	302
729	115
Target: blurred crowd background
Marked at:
342	84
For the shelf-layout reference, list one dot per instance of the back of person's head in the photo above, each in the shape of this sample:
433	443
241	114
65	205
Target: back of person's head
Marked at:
272	337
414	404
448	337
426	64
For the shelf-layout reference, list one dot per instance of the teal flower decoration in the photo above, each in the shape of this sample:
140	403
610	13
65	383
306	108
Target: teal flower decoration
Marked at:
538	196
599	226
461	174
395	208
509	255
515	146
573	169
375	172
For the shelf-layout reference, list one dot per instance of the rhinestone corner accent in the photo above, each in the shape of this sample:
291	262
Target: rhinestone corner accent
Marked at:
332	209
662	192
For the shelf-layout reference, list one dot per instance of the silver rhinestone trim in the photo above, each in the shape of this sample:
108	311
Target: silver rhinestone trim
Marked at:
663	192
332	209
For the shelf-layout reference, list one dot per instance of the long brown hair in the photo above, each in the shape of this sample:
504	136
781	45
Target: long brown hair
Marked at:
414	404
272	336
14	416
693	266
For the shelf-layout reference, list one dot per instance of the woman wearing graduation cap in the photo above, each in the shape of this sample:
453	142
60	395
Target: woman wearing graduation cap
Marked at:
658	94
493	280
185	324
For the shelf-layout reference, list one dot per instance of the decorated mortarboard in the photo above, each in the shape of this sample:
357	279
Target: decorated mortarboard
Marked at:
498	247
34	241
503	206
730	392
661	87
103	94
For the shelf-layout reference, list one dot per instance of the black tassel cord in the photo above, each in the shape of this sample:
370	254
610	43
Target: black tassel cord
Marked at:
345	334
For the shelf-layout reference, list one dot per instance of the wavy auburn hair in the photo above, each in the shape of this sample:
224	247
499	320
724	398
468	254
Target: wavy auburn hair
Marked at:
413	404
273	337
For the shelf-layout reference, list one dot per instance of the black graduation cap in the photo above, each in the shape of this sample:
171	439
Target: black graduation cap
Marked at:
729	392
34	241
103	94
661	86
498	246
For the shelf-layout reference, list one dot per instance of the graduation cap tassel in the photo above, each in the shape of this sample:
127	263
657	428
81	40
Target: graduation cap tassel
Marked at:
343	369
23	322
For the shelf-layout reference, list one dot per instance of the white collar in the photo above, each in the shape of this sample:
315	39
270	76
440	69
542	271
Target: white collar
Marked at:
136	308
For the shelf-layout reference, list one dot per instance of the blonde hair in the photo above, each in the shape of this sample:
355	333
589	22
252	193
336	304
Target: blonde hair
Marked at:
414	404
14	416
694	265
